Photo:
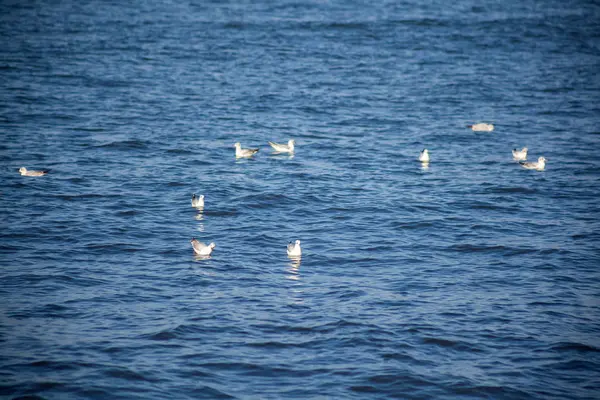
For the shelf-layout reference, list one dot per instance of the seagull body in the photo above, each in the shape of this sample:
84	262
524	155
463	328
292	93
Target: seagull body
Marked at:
284	148
239	152
25	172
294	250
424	156
481	127
201	249
198	201
538	165
520	155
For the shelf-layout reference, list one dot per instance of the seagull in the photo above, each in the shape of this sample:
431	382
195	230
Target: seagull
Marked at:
239	152
482	127
539	165
424	156
520	155
24	172
294	250
284	148
197	202
201	249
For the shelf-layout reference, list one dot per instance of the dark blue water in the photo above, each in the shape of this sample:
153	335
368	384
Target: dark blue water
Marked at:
472	278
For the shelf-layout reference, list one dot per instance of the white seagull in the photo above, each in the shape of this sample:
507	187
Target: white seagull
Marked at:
239	152
201	249
424	156
25	172
483	127
294	250
539	165
197	201
284	148
520	155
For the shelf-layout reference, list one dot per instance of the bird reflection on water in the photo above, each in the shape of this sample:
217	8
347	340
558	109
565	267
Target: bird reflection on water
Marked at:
294	268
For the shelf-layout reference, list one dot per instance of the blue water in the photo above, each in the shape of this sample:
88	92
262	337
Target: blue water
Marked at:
472	278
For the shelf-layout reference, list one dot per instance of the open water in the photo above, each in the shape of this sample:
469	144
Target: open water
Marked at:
472	278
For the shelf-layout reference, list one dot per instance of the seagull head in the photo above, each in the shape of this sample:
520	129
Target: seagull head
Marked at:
238	145
541	160
22	170
212	245
201	197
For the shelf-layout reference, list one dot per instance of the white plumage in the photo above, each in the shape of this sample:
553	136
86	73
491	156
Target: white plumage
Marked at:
197	201
200	248
294	250
481	127
239	152
25	172
284	148
539	165
520	155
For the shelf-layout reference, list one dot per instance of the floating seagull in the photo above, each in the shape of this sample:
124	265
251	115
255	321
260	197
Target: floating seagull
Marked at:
197	202
424	156
482	127
24	172
539	165
520	155
294	250
239	152
284	148
201	249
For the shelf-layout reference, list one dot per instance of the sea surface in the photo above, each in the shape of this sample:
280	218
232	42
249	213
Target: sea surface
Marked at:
468	278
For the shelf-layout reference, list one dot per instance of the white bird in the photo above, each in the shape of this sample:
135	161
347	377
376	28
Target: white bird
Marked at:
539	165
25	172
424	156
482	127
239	152
198	201
202	249
520	155
294	250
284	148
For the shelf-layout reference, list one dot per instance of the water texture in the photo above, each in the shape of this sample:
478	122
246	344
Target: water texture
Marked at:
467	278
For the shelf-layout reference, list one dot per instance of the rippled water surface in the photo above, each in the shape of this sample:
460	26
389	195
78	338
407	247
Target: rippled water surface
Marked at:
468	278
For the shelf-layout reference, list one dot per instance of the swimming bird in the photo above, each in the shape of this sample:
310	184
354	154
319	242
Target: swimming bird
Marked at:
424	156
197	202
539	165
201	249
239	152
482	127
25	172
284	148
520	155
294	250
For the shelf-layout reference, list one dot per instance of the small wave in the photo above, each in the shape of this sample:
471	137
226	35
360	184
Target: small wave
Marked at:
124	145
164	335
505	190
473	248
129	213
454	344
73	197
29	397
577	347
180	151
127	247
127	374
